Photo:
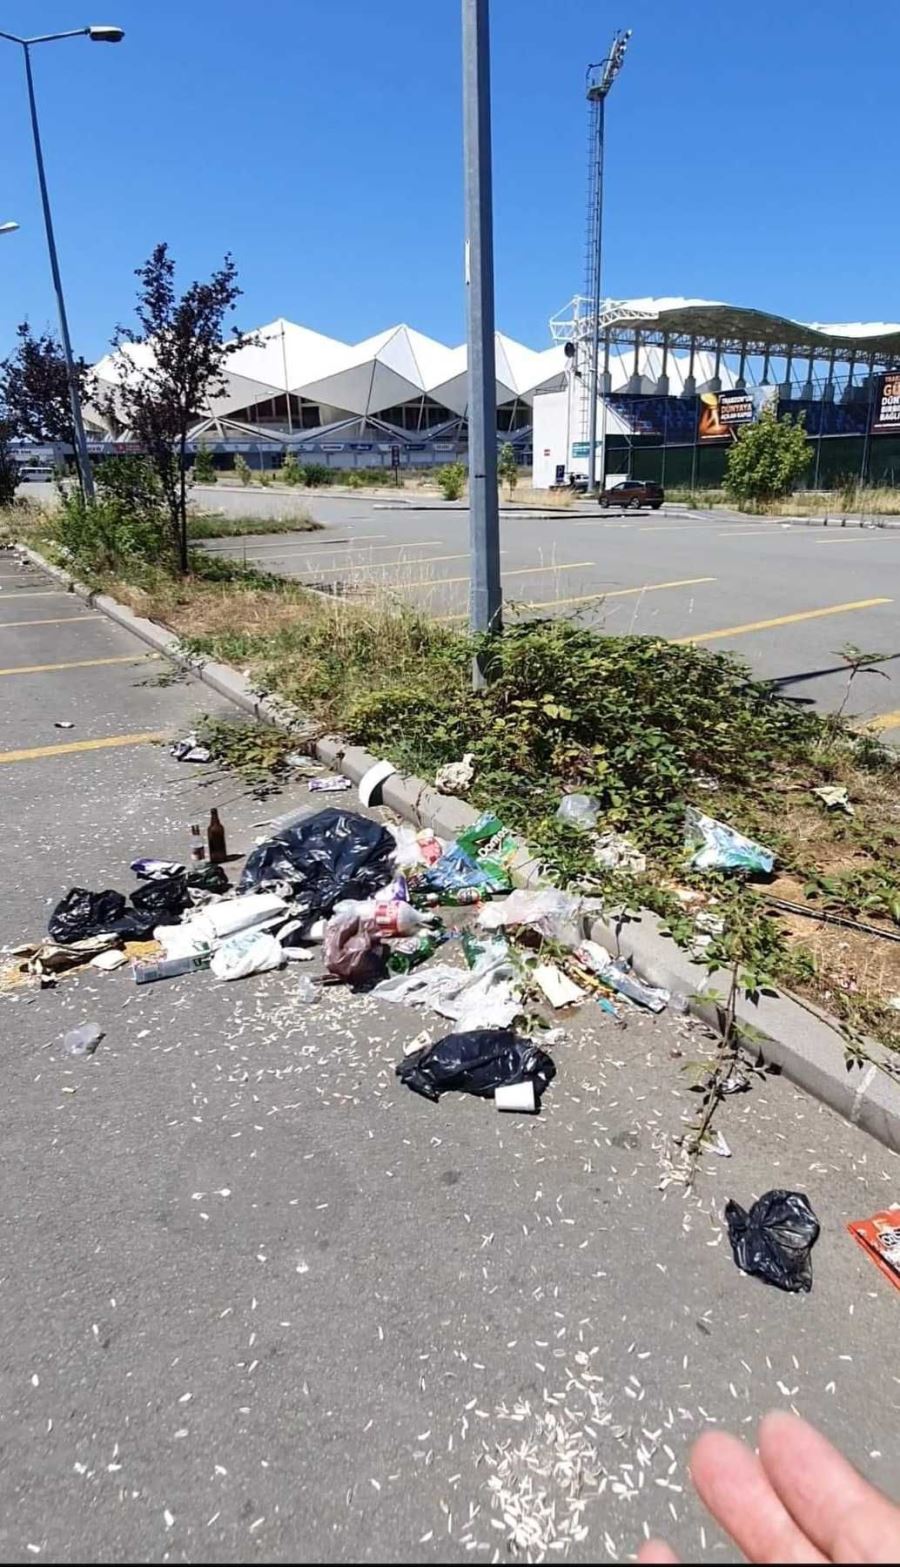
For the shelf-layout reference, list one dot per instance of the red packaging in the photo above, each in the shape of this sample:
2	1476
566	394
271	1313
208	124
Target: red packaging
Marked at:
879	1238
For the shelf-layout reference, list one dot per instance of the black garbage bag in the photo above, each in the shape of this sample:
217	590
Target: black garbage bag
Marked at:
331	855
208	878
773	1241
166	899
476	1063
82	913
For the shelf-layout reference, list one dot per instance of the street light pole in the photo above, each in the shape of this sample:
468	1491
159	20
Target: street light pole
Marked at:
484	519
597	92
98	35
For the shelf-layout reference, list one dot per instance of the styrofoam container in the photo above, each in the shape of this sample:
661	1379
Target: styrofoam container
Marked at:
516	1096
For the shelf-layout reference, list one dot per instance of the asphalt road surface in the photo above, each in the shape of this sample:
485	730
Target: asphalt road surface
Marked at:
260	1302
785	597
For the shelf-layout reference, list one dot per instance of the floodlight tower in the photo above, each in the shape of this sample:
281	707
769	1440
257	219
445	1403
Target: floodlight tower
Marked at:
600	78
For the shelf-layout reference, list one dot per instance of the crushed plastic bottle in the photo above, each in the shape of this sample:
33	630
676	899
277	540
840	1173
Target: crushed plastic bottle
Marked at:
82	1041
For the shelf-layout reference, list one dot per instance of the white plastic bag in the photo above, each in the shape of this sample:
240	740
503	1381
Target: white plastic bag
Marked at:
231	915
250	952
553	913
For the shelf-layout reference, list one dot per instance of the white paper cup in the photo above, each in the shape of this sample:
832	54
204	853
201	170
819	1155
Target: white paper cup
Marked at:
516	1096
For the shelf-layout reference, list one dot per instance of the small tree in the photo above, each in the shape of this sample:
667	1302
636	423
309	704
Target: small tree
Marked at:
242	469
160	399
451	480
767	459
508	467
291	472
204	468
34	389
9	470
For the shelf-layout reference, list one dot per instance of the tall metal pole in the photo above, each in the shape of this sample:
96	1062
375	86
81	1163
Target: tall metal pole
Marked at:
287	392
596	252
598	87
484	518
81	450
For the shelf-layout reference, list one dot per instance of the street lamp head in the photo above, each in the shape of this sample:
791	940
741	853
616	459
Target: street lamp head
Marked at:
106	35
8	228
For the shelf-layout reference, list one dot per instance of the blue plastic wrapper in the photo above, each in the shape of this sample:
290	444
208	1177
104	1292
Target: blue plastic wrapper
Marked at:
455	870
720	848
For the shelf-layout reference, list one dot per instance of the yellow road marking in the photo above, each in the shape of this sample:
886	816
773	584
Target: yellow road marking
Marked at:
64	620
592	598
385	565
77	663
235	541
336	549
621	593
882	721
857	537
38	751
520	571
781	620
674	527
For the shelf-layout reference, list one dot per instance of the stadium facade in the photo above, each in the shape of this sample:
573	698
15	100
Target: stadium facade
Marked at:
397	397
679	378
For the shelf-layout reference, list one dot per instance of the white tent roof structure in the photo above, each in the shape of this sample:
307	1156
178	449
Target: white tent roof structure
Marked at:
384	372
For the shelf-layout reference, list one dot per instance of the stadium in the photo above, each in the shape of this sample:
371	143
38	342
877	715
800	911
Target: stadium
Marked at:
397	397
678	378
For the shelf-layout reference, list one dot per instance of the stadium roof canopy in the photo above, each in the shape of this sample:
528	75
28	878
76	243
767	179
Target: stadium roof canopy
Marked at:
393	368
711	324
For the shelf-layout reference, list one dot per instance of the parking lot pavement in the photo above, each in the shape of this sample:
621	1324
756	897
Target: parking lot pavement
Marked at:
259	1299
785	597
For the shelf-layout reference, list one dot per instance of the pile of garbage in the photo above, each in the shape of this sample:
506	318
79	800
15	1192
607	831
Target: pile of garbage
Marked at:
376	903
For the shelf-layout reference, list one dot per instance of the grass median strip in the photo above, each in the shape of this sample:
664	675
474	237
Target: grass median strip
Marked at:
645	725
780	620
70	747
78	663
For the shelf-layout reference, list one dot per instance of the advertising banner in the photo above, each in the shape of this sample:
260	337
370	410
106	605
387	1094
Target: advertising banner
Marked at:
723	414
886	408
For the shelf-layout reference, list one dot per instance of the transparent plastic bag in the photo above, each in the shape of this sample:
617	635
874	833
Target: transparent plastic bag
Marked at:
579	810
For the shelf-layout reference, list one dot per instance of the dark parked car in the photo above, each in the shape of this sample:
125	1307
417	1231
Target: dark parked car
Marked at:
633	493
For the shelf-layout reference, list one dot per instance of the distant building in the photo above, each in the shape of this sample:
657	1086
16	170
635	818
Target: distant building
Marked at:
348	404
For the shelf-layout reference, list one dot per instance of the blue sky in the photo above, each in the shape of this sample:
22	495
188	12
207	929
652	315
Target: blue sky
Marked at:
751	157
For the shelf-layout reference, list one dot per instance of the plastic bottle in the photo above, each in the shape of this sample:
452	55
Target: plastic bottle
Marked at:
407	955
83	1041
198	847
215	837
399	919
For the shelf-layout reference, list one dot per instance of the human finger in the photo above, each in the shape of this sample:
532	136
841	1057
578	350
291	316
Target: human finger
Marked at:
735	1487
656	1553
833	1505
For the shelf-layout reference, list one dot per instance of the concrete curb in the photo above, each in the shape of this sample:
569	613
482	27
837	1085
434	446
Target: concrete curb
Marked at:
781	1031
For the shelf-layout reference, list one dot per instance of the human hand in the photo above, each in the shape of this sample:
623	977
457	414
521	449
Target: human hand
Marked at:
798	1500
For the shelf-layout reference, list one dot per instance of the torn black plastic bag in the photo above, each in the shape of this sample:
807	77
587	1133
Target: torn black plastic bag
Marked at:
476	1063
82	913
331	855
166	899
773	1241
